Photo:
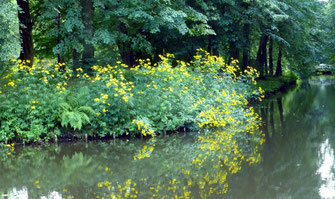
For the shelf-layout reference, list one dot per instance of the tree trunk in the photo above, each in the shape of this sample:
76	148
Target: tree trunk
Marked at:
125	49
26	31
212	45
265	58
87	17
127	54
234	53
58	21
158	51
260	54
246	49
271	56
75	59
279	69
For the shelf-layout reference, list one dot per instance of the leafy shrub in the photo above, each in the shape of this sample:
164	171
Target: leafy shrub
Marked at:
30	99
169	97
161	96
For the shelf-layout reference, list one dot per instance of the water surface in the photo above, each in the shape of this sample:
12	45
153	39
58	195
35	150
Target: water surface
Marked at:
297	160
298	156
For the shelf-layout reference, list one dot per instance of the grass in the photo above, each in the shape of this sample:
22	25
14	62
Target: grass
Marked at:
274	84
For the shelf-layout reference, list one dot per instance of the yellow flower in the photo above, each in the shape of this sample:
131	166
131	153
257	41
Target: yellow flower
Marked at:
125	98
11	84
79	70
33	107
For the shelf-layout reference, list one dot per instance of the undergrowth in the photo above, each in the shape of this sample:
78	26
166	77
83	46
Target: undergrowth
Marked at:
47	100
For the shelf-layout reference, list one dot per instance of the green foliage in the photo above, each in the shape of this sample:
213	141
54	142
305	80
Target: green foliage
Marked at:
29	101
45	100
159	97
61	37
73	113
9	30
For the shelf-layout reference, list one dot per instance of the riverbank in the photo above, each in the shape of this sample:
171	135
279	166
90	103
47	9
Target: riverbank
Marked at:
48	102
273	85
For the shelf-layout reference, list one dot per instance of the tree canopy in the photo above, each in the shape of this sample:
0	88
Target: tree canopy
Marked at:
259	33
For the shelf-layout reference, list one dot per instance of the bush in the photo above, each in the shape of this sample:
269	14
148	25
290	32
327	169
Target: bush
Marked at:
42	101
30	101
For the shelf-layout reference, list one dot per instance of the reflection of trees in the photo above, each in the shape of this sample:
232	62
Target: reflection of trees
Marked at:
291	160
45	166
81	169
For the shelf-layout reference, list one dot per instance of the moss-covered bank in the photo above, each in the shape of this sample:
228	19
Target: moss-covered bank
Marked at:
273	85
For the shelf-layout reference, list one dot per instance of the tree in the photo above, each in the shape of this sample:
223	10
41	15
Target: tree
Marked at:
60	31
26	31
98	31
141	29
87	17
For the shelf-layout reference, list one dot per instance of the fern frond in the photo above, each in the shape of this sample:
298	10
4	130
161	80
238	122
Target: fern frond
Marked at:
65	118
84	117
65	106
77	121
87	110
73	101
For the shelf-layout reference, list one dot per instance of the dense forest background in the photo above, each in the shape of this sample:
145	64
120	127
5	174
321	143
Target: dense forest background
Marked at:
266	34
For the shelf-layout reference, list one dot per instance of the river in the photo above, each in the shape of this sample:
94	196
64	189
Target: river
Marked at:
297	160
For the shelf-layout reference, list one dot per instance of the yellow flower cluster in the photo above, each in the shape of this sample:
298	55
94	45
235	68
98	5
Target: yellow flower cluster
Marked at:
222	142
21	71
113	78
145	129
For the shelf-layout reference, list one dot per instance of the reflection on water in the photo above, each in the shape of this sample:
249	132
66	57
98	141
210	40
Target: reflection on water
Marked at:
23	194
327	189
108	170
298	157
